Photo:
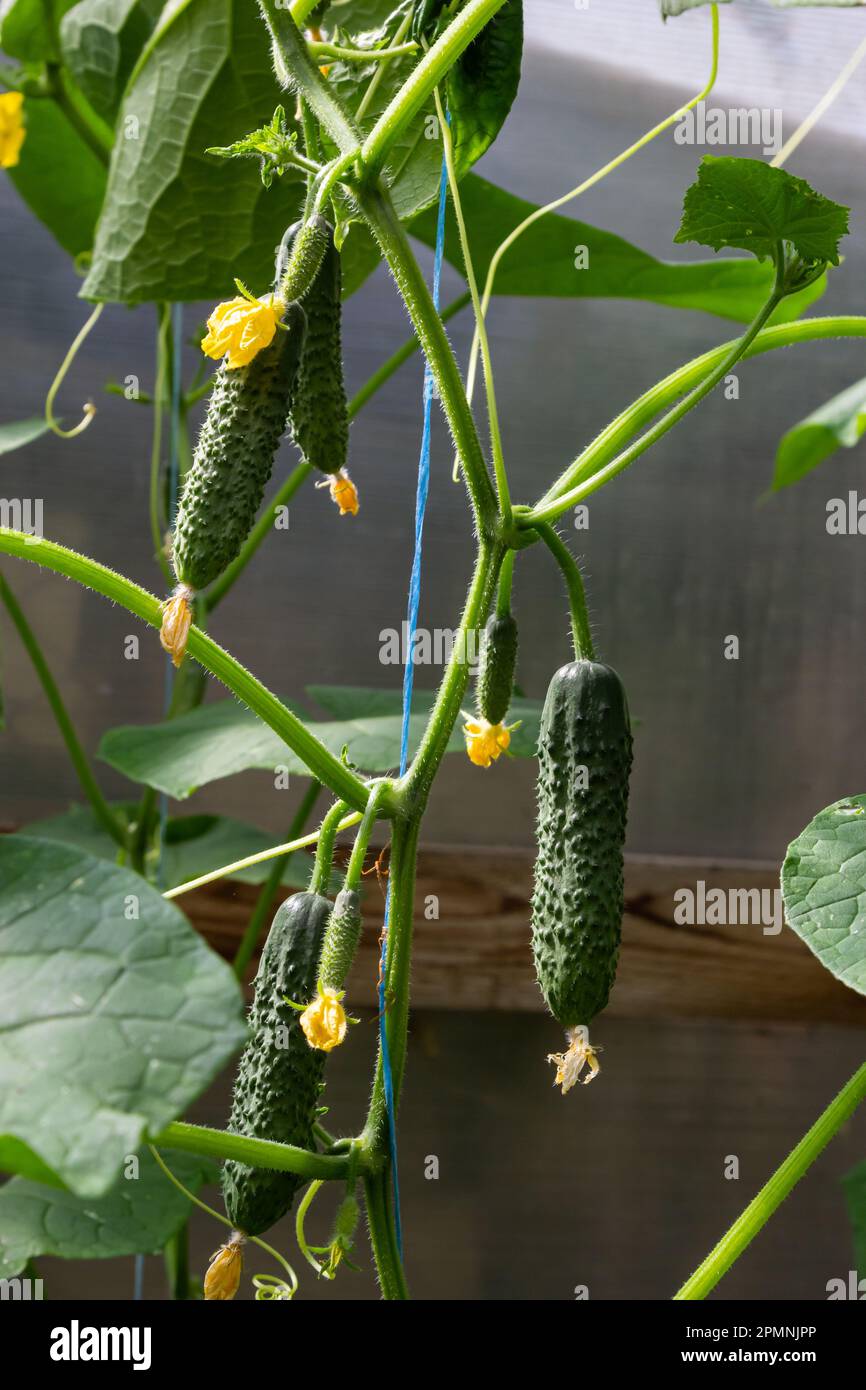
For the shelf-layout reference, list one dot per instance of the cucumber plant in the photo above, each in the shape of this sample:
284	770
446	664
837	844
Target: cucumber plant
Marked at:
343	171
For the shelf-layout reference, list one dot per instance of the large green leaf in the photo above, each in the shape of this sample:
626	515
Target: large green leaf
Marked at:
838	424
854	1184
745	203
25	31
177	223
483	83
824	889
115	1015
360	702
193	845
139	1214
100	41
58	176
542	261
16	433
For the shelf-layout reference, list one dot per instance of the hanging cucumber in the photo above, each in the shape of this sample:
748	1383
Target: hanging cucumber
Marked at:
496	664
341	940
584	761
279	1075
320	415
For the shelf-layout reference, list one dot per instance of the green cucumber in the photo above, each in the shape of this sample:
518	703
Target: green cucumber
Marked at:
320	412
308	251
234	455
279	1075
341	939
584	760
497	659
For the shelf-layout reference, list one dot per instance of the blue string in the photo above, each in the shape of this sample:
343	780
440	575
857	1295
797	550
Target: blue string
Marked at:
408	683
168	680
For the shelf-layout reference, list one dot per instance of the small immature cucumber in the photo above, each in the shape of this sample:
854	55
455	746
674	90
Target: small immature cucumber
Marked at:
341	939
584	760
320	415
234	455
308	252
496	663
279	1075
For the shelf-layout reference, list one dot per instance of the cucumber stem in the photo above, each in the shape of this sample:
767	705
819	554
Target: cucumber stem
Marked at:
580	629
321	877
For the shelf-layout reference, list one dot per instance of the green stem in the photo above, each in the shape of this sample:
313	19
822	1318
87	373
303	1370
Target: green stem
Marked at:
396	360
324	50
257	1153
268	891
379	212
378	76
300	1217
773	1193
321	879
250	691
158	524
96	134
564	501
301	11
304	76
580	629
355	867
176	1255
418	87
503	588
77	756
380	1222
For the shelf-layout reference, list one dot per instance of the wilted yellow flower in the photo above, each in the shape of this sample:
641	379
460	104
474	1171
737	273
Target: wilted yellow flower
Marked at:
240	328
324	1021
343	492
224	1271
11	128
571	1063
486	742
176	620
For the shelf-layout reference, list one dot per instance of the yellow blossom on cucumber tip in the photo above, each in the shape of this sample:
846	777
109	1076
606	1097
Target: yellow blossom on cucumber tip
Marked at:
569	1064
224	1271
12	130
486	742
241	327
343	492
176	621
324	1020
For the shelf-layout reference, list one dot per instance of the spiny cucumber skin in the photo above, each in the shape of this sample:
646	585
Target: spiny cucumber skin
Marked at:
308	250
320	412
277	1088
577	904
497	660
224	487
341	939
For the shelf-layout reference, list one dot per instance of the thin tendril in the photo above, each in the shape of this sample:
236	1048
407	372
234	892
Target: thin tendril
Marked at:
89	408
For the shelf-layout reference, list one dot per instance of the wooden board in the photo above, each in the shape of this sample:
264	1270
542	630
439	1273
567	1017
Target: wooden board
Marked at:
476	955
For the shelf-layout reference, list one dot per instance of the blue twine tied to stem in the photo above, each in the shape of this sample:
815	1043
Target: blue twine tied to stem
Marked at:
408	683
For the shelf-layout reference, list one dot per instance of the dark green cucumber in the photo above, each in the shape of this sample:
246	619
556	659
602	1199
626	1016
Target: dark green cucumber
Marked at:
341	939
497	660
320	412
584	760
234	455
279	1075
308	251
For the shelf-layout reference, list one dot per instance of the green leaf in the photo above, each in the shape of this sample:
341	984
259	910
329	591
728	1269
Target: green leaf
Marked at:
58	176
24	28
748	204
542	261
16	433
483	83
100	41
138	1215
854	1184
112	1024
180	224
838	424
824	889
194	845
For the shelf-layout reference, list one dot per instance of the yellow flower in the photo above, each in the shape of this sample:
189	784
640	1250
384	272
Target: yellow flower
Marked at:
240	328
176	620
343	492
486	742
324	1021
11	128
224	1271
570	1064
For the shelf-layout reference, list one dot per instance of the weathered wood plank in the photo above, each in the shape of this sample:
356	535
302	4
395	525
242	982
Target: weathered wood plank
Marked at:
476	955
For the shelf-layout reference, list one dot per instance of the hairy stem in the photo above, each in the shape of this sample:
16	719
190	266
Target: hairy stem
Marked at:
380	1223
321	762
77	756
258	1153
325	848
774	1192
580	629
